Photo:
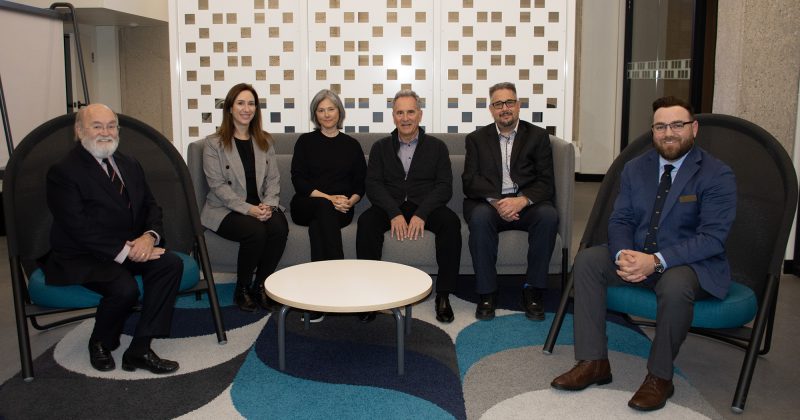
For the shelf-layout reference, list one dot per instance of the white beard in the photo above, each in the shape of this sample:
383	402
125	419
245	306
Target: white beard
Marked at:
99	147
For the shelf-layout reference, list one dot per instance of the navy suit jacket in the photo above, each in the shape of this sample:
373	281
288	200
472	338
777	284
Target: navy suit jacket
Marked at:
91	220
696	219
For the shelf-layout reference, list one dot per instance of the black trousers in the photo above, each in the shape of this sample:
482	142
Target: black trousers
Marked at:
676	291
116	283
485	224
261	244
442	221
324	223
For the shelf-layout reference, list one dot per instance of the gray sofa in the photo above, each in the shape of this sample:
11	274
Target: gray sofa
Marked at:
420	253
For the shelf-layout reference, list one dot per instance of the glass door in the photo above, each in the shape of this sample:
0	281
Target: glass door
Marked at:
663	56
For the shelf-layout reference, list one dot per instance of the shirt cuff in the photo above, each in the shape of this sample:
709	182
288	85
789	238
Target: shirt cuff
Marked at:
120	258
156	236
661	258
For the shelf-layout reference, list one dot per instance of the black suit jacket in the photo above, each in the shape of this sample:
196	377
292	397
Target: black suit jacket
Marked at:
531	165
430	178
91	220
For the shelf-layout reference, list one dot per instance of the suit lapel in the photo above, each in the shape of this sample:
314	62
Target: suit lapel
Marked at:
261	166
492	140
232	156
689	167
519	139
96	173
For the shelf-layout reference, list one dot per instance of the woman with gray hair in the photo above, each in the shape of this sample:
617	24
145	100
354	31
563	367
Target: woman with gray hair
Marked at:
328	170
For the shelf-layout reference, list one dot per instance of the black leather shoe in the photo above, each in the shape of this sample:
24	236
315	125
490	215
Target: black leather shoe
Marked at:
100	357
485	309
258	294
242	299
444	313
533	303
149	361
366	317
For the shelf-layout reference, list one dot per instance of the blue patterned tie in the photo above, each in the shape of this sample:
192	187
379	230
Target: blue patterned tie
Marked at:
651	240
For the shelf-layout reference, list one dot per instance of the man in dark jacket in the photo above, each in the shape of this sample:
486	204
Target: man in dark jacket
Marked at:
509	185
409	182
107	228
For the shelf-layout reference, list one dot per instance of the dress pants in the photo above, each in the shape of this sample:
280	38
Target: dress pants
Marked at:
115	282
261	244
485	224
324	223
676	291
442	221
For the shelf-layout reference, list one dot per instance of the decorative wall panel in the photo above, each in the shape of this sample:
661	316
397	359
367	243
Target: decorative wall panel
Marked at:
448	51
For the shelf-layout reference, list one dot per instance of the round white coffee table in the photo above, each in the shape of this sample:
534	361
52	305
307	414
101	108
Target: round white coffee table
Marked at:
347	286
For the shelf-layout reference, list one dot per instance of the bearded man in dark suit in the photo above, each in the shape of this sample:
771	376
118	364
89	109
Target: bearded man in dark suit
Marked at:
509	185
106	229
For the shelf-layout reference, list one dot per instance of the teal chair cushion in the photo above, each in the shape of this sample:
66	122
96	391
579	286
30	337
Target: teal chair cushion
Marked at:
736	310
77	296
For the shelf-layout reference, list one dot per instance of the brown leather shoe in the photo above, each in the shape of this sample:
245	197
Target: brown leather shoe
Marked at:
585	373
653	394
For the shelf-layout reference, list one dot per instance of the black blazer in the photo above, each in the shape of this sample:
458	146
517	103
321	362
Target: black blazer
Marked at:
91	220
430	178
531	165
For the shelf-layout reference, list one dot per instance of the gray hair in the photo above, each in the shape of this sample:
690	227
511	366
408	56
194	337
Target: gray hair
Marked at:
503	85
406	93
333	97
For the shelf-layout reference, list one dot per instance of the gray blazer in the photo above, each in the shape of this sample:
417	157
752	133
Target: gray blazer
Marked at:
226	182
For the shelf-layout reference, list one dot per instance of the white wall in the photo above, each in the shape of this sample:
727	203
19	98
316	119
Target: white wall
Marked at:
600	102
106	68
32	69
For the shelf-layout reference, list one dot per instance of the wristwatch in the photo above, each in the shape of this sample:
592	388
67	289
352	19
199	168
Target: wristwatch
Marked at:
659	268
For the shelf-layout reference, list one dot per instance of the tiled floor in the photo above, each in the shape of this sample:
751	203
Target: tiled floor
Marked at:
711	366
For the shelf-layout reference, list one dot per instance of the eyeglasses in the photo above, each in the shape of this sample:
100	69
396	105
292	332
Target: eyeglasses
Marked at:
675	126
499	104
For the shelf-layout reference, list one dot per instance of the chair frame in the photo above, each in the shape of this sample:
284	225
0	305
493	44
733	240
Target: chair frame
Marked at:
24	309
755	340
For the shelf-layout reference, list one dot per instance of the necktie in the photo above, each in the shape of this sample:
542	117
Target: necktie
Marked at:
651	240
116	181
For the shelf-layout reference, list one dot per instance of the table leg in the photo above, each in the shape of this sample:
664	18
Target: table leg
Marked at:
306	320
400	341
408	319
282	337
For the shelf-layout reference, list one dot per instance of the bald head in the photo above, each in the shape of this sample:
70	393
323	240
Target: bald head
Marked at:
96	126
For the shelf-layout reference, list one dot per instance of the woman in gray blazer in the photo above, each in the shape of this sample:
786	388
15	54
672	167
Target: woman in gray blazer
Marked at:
242	202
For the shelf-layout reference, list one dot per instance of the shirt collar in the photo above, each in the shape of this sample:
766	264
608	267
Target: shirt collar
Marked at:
676	163
513	132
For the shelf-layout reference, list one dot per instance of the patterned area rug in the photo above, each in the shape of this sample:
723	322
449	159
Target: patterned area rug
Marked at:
341	368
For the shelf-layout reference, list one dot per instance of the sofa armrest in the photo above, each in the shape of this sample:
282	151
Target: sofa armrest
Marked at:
194	160
564	171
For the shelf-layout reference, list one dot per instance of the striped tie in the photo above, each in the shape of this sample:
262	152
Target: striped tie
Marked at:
116	181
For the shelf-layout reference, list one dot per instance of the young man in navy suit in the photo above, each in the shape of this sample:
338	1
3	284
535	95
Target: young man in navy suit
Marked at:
667	232
509	185
106	229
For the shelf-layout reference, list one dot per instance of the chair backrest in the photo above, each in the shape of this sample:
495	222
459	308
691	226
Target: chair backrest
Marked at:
28	220
766	195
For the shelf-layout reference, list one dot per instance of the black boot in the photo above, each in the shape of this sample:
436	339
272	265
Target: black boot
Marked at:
260	296
242	299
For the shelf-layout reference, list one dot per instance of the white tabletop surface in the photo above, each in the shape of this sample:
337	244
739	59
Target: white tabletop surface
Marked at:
348	285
